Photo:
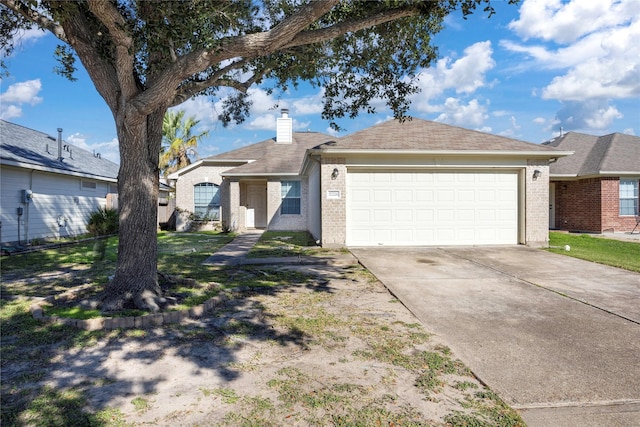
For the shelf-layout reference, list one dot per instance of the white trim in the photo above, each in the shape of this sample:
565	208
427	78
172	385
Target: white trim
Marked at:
66	172
201	162
461	153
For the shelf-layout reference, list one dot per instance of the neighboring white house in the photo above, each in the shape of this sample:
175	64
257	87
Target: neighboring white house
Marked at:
48	186
397	184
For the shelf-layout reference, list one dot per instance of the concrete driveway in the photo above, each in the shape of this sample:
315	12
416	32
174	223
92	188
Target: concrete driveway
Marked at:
556	337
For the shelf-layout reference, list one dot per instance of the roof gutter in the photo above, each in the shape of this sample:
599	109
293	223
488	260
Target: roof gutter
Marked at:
9	162
498	153
261	174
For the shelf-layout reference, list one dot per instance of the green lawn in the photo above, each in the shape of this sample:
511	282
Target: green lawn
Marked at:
597	249
285	244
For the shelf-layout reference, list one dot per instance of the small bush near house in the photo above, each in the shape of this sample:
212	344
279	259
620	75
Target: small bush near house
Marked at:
102	222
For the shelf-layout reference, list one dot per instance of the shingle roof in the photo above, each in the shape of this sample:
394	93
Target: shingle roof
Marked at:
271	158
418	134
26	147
604	155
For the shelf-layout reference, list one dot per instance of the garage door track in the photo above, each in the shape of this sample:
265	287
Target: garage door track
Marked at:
556	337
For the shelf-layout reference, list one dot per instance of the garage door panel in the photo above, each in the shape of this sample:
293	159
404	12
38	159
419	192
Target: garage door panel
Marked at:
383	196
403	196
423	195
382	215
403	215
413	208
360	195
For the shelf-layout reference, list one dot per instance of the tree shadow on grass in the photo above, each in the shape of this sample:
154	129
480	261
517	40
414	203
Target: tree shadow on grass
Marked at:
51	373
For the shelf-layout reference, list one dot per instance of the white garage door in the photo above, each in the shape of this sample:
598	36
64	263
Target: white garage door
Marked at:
432	208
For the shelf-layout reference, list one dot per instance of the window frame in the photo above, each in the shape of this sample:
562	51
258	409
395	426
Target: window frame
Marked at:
625	195
211	206
291	204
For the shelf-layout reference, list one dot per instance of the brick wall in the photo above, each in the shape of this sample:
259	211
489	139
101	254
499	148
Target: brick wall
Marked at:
277	221
334	211
591	205
611	219
184	185
578	205
537	204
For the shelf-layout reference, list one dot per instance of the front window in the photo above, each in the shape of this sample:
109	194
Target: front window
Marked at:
206	201
628	197
290	198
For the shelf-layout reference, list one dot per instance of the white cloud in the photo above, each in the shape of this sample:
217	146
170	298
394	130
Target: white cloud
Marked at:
464	75
108	150
308	105
539	120
512	130
23	93
467	73
301	126
473	114
591	115
566	22
263	122
9	111
330	131
17	95
25	38
629	131
599	48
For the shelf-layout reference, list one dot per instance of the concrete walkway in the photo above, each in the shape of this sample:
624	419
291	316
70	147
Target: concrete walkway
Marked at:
234	252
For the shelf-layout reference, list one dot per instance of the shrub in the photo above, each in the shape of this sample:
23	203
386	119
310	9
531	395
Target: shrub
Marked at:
103	222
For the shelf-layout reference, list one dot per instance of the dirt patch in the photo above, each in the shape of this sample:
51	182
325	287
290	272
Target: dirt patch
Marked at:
339	350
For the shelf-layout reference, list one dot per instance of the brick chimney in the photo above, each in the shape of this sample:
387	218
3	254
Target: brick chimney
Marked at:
284	128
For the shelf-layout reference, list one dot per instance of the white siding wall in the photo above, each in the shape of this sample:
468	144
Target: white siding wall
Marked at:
54	196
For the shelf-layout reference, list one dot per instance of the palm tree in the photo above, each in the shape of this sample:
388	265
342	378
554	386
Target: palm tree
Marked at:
178	144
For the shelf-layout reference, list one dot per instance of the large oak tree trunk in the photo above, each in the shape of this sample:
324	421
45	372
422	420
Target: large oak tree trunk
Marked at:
135	283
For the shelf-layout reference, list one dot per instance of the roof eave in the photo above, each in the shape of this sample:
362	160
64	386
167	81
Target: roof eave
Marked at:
619	173
198	163
465	153
602	174
41	168
258	174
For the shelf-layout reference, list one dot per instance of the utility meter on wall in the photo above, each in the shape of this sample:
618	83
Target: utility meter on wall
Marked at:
27	196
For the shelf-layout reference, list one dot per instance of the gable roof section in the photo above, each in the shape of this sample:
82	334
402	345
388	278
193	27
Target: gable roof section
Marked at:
613	154
272	158
423	136
30	149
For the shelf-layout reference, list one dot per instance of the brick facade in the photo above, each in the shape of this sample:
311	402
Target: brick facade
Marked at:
536	203
591	205
334	211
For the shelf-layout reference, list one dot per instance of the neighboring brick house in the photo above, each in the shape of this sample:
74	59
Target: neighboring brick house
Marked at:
412	183
596	189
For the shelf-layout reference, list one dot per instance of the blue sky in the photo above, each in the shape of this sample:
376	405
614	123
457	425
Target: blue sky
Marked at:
525	73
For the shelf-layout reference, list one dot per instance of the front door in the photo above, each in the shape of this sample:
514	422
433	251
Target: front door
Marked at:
256	205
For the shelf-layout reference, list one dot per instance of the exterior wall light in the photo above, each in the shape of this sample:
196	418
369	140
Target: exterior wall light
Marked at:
536	174
335	173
